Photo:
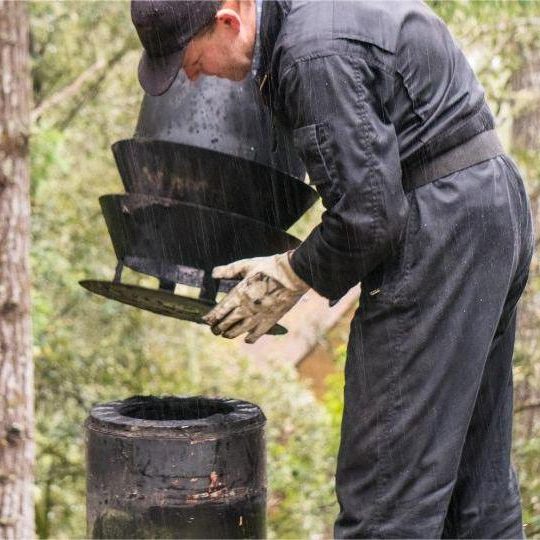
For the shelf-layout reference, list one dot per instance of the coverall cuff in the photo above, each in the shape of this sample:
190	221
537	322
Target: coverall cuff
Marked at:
329	272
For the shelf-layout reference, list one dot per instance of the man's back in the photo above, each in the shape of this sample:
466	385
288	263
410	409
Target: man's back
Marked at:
426	211
425	84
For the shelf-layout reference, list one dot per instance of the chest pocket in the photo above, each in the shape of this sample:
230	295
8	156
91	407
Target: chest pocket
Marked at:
314	146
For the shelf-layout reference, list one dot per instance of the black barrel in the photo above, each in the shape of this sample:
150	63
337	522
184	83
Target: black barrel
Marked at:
176	467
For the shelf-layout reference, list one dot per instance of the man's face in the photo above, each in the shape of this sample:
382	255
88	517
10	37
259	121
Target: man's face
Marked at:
226	51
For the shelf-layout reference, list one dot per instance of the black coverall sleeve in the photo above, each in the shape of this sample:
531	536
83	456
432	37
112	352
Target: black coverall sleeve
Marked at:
336	108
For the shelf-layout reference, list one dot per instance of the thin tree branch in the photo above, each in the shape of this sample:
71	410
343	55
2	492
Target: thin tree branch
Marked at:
93	89
528	406
68	91
100	68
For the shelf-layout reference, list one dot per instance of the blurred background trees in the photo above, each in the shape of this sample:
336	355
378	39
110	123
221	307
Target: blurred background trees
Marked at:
88	350
503	40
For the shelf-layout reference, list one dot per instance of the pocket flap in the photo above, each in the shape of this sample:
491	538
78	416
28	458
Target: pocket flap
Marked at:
313	145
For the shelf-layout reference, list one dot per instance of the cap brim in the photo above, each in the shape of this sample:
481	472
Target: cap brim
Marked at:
156	74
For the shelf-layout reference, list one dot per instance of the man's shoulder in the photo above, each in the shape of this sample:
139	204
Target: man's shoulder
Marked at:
316	27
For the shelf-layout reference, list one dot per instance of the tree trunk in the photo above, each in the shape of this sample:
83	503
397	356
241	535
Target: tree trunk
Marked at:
16	373
525	81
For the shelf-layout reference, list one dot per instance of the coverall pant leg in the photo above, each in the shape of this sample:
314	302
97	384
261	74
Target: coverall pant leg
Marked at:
426	431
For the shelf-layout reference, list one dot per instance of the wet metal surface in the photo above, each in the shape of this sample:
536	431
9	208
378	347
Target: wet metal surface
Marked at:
158	301
176	468
193	277
186	234
221	116
208	178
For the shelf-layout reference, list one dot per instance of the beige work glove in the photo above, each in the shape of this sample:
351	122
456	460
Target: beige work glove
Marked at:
268	290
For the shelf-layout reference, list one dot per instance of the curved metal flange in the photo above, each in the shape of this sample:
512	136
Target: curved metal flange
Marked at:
209	178
180	233
159	301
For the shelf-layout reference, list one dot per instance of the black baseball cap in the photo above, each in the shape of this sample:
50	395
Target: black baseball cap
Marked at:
165	27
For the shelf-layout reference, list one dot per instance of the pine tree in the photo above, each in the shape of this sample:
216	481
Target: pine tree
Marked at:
16	372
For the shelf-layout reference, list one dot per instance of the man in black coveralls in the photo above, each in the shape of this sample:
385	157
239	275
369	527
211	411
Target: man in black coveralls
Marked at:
422	207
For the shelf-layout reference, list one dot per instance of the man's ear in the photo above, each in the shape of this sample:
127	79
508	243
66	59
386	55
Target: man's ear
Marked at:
229	18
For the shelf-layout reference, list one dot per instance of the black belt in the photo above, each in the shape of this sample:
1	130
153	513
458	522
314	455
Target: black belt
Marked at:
481	147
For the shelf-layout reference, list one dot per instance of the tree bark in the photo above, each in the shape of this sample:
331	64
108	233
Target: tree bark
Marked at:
16	372
526	146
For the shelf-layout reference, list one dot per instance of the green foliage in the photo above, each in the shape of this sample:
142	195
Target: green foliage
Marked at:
527	452
333	397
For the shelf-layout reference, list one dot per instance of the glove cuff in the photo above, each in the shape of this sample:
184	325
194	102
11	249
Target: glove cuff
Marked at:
287	276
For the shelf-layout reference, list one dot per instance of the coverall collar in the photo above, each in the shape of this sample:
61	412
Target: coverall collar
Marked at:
274	13
257	48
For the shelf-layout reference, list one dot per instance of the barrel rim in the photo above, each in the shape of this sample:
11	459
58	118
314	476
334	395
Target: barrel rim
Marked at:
244	416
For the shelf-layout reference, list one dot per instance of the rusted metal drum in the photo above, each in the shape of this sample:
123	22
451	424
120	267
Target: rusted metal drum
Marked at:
176	467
